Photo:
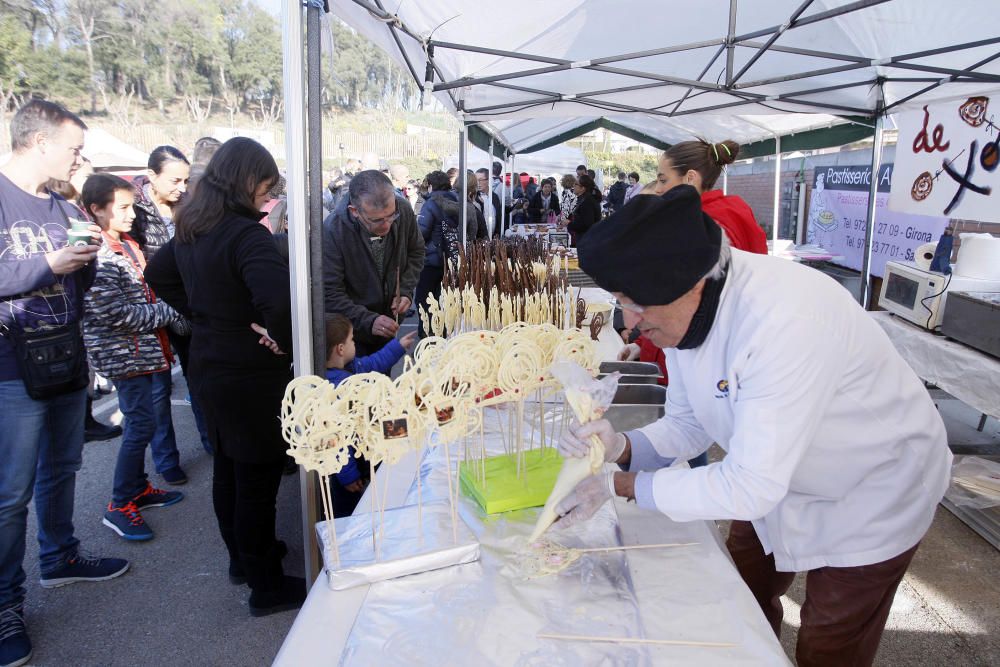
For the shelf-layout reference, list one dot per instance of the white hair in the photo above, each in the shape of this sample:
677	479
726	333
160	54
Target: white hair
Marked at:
725	255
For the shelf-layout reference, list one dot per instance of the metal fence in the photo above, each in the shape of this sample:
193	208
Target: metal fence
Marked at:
385	145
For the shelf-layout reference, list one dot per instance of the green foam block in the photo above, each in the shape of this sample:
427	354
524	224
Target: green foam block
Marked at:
503	491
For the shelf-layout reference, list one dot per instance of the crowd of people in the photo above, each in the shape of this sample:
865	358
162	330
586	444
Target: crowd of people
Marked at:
189	263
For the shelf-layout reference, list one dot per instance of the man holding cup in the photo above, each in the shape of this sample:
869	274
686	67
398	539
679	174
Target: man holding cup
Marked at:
47	252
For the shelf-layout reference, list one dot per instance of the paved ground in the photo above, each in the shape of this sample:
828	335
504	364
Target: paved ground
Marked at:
176	606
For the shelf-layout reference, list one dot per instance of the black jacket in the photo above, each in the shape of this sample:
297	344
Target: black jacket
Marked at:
228	279
149	230
535	208
352	285
482	230
586	215
616	195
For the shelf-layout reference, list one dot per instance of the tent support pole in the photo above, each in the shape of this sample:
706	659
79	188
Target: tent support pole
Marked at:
498	227
463	177
725	181
730	47
934	85
295	165
488	195
733	78
813	18
777	187
314	127
866	258
504	53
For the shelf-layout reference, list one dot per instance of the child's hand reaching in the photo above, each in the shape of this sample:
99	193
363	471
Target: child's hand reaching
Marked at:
408	340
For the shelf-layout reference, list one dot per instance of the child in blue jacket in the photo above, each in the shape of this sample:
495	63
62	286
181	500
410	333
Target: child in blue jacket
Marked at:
349	483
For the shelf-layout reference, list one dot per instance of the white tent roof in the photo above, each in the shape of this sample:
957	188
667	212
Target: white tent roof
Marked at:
551	161
105	151
721	69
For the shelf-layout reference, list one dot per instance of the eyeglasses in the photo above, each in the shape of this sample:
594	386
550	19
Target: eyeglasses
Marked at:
376	222
632	308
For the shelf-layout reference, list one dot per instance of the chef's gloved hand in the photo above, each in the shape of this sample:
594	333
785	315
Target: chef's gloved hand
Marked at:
575	441
629	353
584	500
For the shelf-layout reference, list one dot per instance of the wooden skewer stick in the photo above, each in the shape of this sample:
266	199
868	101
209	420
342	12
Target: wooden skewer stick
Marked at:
451	497
373	511
420	497
381	511
324	491
635	546
635	640
396	300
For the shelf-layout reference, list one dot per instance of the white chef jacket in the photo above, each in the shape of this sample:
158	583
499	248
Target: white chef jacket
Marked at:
835	450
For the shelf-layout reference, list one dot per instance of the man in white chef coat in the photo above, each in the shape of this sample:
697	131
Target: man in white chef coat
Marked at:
836	456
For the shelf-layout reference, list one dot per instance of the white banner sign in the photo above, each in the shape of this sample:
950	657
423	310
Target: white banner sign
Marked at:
946	161
838	210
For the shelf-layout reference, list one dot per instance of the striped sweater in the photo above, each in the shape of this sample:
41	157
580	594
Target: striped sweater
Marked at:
123	320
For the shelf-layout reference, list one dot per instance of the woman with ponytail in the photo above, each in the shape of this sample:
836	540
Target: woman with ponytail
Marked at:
700	163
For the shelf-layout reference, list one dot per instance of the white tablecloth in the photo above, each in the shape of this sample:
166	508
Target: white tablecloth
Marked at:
693	592
967	374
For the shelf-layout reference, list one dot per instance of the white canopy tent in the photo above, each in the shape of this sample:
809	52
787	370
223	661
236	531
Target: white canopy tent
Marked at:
778	74
725	69
109	153
559	159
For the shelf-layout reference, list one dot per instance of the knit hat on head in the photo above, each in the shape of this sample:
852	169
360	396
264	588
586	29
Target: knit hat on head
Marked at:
655	249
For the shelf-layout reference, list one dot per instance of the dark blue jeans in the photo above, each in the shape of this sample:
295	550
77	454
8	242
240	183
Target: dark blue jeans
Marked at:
145	402
41	445
182	346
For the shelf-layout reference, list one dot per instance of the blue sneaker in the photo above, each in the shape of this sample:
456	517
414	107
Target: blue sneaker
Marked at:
175	476
154	497
127	522
83	567
15	647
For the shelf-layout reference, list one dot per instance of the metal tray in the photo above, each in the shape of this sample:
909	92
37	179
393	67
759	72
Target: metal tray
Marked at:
629	367
973	318
635	406
633	372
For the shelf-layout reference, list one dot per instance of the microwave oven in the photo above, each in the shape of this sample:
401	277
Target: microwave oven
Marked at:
919	295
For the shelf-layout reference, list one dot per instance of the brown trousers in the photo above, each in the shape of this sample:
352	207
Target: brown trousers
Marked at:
845	607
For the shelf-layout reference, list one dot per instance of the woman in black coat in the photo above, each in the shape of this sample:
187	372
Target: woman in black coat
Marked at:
223	270
588	209
545	200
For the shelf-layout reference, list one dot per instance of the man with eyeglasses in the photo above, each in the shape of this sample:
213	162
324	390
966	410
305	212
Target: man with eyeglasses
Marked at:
372	256
836	457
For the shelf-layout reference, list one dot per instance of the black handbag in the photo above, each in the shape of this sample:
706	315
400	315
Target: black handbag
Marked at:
51	362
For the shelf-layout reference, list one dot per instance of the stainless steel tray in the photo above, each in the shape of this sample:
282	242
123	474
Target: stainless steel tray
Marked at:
629	367
635	406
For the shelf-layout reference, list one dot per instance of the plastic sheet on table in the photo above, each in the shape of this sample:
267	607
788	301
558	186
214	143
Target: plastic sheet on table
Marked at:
486	613
975	482
413	541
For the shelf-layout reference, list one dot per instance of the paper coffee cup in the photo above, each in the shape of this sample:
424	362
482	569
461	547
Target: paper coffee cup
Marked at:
79	238
79	225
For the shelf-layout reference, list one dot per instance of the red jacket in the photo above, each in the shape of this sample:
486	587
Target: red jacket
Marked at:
733	215
648	351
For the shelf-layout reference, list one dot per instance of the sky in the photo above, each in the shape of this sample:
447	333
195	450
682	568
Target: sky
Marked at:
272	6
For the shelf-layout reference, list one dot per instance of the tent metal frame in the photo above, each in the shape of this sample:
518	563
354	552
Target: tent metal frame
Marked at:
732	86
